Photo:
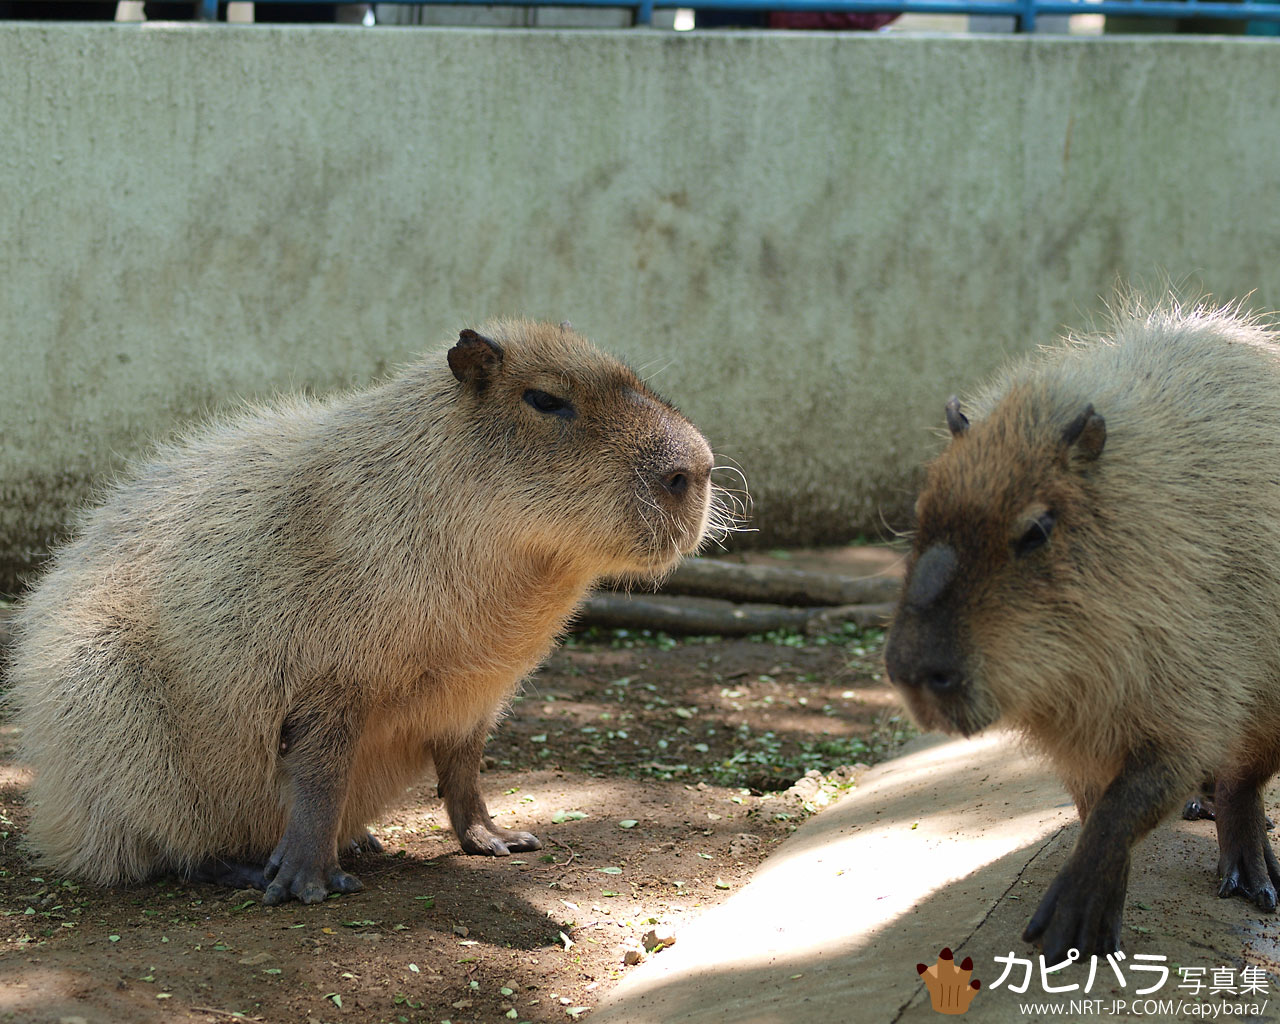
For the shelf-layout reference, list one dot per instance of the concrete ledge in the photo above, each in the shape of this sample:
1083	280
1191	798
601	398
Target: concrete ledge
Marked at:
952	845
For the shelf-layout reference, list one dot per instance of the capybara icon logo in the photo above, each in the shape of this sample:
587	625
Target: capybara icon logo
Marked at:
950	989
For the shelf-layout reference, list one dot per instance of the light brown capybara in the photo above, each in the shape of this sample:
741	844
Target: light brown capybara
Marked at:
274	624
1096	563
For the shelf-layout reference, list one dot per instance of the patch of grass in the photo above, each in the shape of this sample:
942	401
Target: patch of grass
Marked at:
765	762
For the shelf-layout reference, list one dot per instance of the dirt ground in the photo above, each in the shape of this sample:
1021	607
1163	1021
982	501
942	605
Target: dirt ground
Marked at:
657	772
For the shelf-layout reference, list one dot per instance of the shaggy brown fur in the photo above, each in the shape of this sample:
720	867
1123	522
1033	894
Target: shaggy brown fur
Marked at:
1097	564
277	622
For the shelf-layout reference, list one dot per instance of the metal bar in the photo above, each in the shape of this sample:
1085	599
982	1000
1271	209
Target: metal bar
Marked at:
1249	10
1024	12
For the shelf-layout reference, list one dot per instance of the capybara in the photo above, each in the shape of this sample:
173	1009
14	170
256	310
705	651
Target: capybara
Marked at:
274	624
1096	563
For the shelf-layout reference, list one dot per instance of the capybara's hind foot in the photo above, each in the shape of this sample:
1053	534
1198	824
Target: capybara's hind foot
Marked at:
233	874
1199	808
498	842
367	843
1251	871
305	878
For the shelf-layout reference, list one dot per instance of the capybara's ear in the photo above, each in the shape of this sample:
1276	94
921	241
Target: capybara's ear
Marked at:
475	359
1088	433
957	422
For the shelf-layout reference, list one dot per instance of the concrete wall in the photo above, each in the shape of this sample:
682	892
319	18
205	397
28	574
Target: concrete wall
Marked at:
808	241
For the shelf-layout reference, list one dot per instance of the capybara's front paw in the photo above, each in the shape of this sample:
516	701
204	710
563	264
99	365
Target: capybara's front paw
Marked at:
309	879
1250	870
1081	911
498	842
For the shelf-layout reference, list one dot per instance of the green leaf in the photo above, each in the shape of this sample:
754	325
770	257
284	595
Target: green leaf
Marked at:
629	823
610	871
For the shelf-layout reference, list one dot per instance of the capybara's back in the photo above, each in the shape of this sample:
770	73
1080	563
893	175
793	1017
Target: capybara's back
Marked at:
273	624
1097	563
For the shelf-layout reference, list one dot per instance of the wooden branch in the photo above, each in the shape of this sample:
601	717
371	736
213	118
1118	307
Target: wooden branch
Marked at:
732	581
711	616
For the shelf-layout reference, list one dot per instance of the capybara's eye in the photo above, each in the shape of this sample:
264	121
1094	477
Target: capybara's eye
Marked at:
1036	534
550	404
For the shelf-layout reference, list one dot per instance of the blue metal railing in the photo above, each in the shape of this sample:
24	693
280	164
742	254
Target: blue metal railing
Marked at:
1024	12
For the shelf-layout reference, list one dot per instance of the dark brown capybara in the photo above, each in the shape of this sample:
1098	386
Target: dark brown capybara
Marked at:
1096	563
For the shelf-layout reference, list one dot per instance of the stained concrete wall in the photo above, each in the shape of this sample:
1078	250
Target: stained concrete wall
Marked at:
808	241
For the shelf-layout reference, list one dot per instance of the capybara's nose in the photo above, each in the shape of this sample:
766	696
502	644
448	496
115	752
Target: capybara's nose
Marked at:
919	660
941	679
937	677
676	482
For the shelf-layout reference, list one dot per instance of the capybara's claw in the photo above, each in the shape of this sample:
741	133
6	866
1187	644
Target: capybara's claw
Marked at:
499	842
1079	916
1263	897
522	842
1250	877
1198	809
366	843
305	878
310	888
